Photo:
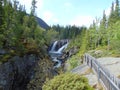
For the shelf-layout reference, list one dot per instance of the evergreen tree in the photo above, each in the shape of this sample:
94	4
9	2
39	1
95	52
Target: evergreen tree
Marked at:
2	24
8	23
1	14
102	30
114	14
103	23
33	7
32	20
111	17
117	11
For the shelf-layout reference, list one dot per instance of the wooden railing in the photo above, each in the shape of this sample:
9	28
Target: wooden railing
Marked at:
108	80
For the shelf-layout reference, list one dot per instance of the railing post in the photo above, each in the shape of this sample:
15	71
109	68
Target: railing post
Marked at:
84	61
98	73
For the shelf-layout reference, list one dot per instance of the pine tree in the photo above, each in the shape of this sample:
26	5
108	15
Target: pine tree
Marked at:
32	20
103	23
33	8
1	13
102	29
2	24
111	17
117	11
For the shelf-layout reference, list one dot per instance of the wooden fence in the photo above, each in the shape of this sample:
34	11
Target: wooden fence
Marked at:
108	80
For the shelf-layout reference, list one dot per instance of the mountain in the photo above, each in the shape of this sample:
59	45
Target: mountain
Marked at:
42	23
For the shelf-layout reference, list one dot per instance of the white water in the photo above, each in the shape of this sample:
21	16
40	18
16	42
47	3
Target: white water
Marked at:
54	54
54	45
58	63
62	48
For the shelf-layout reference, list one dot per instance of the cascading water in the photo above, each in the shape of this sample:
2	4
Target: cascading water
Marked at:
57	51
54	45
62	48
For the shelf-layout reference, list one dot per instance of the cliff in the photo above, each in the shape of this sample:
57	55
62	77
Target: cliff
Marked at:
18	72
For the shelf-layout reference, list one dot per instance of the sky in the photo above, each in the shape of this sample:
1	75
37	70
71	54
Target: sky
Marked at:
69	12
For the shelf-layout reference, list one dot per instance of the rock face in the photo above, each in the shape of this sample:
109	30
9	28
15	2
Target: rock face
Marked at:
18	71
72	51
2	52
43	71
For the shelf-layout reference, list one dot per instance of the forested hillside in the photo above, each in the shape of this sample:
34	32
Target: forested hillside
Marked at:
23	47
19	32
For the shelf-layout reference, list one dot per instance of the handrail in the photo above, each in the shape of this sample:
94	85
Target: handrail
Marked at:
108	80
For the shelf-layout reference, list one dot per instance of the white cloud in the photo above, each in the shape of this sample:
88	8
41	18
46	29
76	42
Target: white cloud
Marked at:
27	4
50	17
55	20
107	11
39	5
82	20
47	16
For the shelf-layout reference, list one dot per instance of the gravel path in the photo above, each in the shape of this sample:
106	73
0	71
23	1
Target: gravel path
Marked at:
80	69
112	64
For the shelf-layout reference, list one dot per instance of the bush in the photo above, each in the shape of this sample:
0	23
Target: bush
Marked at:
74	61
67	82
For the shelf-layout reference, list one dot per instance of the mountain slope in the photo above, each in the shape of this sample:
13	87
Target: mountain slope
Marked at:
42	23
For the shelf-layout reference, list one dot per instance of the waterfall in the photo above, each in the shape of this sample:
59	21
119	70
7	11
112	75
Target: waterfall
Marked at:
54	45
57	51
57	64
62	48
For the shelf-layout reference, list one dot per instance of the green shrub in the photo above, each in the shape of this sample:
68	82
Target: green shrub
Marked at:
67	81
74	61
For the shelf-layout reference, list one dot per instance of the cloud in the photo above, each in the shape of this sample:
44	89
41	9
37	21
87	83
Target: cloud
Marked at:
27	4
55	20
107	11
39	5
82	20
47	16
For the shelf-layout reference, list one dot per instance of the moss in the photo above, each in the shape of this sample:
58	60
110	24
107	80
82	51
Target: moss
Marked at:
5	58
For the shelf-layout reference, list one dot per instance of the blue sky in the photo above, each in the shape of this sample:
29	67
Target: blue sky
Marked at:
69	12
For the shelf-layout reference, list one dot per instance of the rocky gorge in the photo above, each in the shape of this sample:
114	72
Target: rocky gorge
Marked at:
19	72
30	71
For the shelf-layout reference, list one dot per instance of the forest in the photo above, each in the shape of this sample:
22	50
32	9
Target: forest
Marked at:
20	34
